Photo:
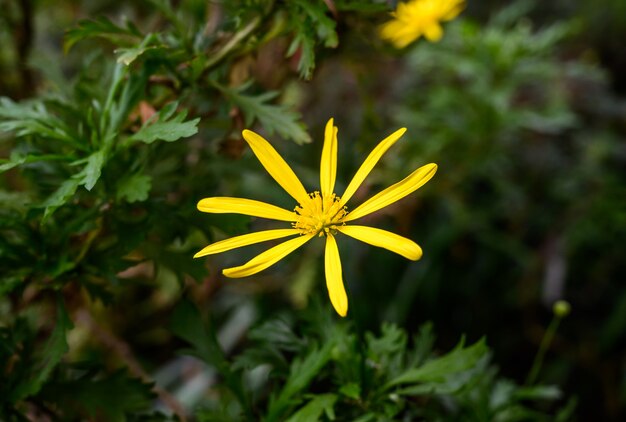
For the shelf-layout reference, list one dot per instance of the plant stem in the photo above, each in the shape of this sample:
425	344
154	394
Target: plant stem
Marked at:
543	348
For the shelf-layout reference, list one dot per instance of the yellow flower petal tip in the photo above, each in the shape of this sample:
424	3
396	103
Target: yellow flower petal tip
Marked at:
415	18
318	213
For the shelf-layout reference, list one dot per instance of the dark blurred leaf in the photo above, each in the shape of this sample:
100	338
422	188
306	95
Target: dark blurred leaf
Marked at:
186	323
33	118
18	159
351	390
51	355
301	373
104	28
110	398
135	187
539	392
61	195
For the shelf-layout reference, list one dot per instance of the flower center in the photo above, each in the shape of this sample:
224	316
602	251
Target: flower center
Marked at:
319	214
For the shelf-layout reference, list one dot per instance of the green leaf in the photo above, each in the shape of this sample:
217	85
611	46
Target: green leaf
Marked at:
351	390
310	25
129	55
166	129
458	360
111	398
51	355
61	196
133	188
17	159
273	118
539	392
87	177
304	44
32	118
104	28
186	323
301	373
325	26
14	161
93	169
313	409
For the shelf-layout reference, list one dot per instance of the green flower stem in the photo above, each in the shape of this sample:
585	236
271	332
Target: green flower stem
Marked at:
543	348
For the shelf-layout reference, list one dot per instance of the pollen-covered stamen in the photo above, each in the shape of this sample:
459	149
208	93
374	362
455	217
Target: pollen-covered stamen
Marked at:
319	214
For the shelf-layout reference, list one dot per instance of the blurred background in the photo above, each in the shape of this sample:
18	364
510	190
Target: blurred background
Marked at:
521	104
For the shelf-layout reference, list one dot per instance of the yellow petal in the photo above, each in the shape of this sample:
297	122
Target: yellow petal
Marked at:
394	192
245	240
433	32
454	8
223	204
267	258
369	164
276	166
334	280
399	33
384	239
328	165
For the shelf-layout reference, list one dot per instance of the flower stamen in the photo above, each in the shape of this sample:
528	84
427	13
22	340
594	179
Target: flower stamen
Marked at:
320	214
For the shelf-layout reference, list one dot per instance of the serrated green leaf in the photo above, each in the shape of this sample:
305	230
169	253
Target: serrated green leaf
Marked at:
312	411
305	45
458	360
325	26
51	355
167	131
166	128
273	118
133	188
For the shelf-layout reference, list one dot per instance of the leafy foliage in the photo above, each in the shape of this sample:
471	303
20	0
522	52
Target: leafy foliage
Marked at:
382	379
272	117
105	149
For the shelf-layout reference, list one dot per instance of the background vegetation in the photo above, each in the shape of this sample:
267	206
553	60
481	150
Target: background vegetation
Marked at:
117	117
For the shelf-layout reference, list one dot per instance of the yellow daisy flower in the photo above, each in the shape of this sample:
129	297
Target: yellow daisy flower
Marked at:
320	213
420	17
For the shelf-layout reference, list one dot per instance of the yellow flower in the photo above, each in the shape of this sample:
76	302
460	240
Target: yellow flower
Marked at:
320	213
420	17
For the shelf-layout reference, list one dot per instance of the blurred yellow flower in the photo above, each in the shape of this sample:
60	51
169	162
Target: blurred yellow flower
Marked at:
420	17
320	213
